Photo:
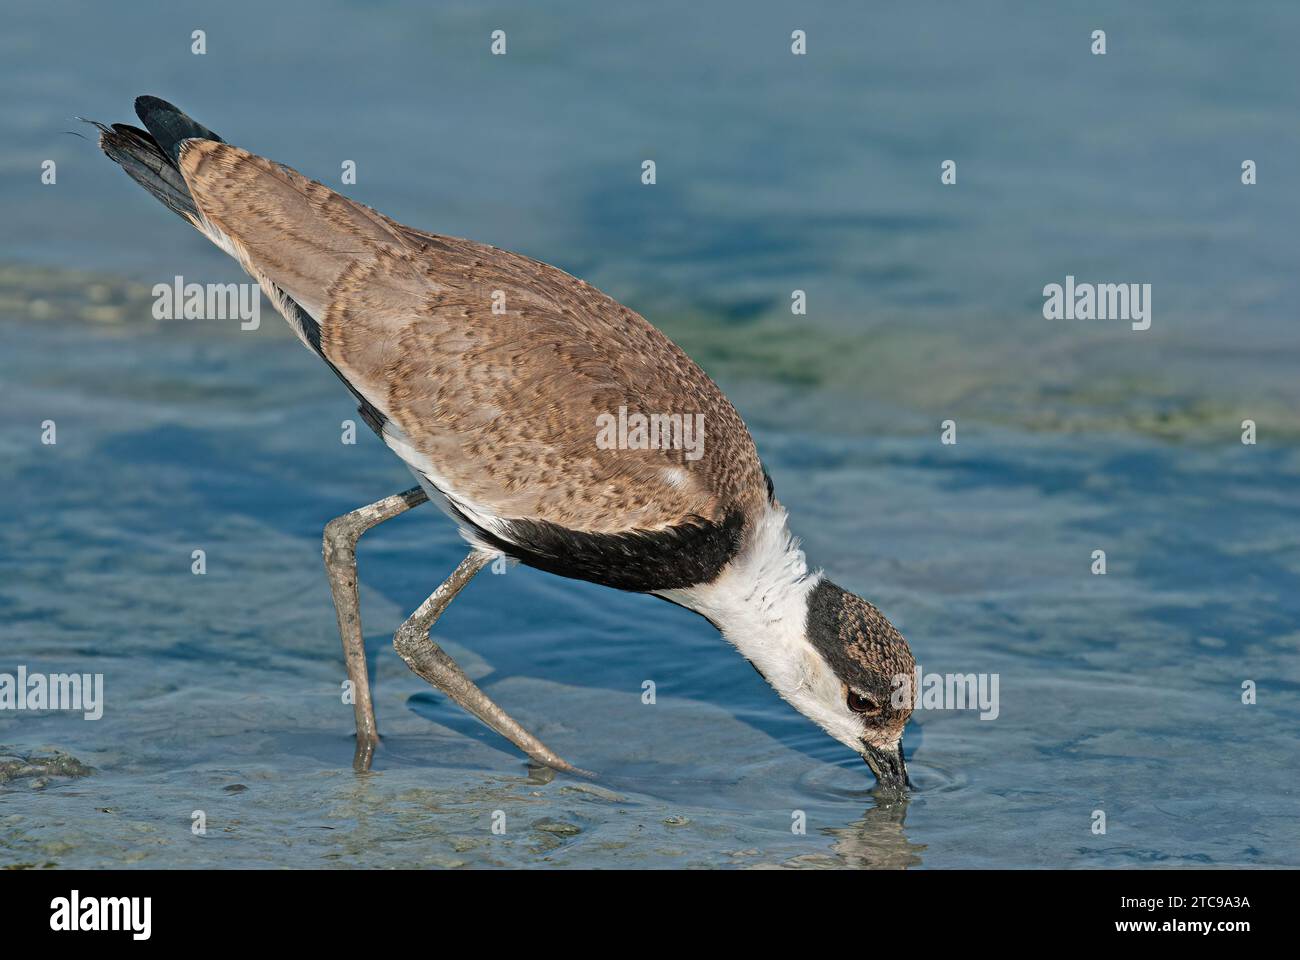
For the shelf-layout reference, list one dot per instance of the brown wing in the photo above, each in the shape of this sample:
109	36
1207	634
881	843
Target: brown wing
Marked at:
500	409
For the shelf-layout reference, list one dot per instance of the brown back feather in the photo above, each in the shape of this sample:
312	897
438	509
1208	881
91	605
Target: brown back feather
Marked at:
504	406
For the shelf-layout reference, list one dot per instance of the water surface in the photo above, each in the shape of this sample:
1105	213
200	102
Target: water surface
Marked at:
1119	693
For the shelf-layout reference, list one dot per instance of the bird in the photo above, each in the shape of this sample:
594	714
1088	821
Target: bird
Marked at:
495	377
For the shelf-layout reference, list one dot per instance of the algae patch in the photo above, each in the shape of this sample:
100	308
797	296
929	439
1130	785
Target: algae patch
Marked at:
40	767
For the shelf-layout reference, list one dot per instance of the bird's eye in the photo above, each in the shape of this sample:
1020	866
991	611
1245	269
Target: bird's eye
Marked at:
861	704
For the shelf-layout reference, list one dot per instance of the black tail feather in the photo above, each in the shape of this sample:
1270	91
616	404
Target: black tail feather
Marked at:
144	161
150	157
170	126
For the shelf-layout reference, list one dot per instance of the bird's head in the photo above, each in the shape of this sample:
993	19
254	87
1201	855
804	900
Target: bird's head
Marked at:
858	679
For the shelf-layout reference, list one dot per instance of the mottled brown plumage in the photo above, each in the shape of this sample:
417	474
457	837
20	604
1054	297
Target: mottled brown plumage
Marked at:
504	405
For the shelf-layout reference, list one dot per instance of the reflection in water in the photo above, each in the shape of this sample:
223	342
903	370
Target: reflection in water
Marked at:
877	840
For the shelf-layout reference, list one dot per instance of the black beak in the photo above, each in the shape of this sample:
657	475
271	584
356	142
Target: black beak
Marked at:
888	766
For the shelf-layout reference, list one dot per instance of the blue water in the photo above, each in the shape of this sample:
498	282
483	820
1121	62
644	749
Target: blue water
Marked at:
1119	693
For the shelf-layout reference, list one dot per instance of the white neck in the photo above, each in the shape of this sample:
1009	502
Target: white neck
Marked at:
761	594
760	603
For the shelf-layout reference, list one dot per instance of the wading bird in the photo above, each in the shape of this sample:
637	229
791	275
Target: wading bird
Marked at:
495	411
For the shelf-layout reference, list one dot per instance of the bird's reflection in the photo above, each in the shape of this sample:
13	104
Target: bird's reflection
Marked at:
876	841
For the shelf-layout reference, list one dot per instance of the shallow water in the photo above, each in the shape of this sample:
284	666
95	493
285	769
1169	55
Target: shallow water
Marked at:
1119	693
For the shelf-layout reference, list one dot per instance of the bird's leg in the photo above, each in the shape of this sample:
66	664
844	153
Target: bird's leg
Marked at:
432	663
341	535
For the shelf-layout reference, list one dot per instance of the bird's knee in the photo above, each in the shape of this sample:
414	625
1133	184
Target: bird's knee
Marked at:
407	641
340	533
